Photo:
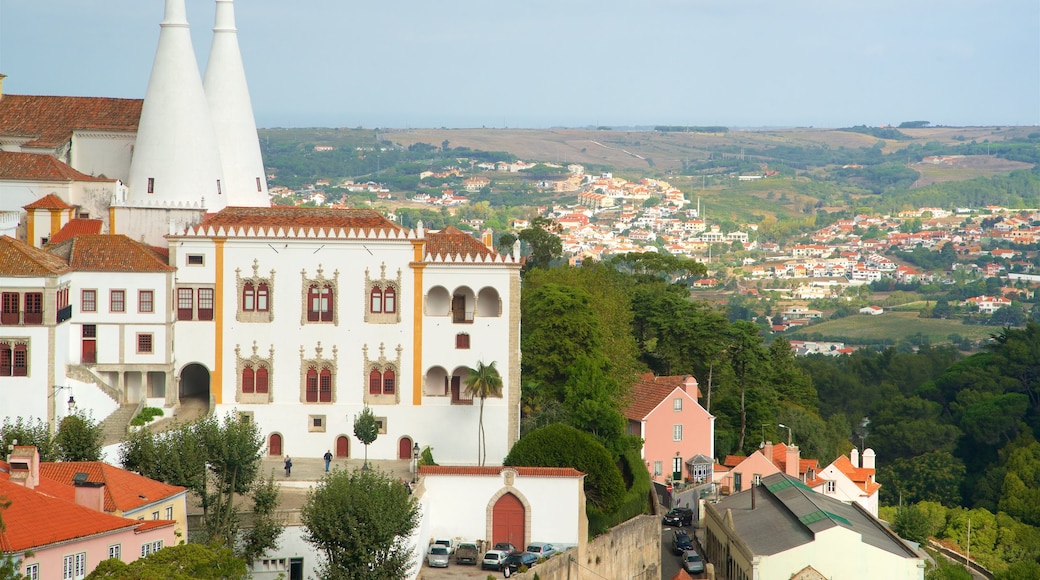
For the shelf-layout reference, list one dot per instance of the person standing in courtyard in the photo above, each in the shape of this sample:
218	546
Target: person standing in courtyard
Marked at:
288	466
328	460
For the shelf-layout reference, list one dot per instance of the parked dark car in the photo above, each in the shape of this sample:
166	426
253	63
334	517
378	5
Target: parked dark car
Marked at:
505	547
681	542
517	559
692	562
679	516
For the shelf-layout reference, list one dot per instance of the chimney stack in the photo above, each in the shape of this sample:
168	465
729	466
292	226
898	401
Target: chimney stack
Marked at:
868	459
90	494
176	159
854	457
227	93
793	460
25	466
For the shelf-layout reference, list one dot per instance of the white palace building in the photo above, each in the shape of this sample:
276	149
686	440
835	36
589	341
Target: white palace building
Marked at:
141	263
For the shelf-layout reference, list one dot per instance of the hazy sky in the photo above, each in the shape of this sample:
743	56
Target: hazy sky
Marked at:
542	63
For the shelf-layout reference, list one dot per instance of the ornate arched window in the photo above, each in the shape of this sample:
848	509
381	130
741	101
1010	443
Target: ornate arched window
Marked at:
375	380
325	386
263	298
376	300
262	380
248	297
312	385
389	300
248	380
389	382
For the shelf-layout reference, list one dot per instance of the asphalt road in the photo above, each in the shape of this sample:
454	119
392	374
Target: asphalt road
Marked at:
670	562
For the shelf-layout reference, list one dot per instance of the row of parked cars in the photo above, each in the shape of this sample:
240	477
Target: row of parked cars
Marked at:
501	557
682	544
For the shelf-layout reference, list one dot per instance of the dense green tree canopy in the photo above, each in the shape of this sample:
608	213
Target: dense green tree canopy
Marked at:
360	521
561	445
181	562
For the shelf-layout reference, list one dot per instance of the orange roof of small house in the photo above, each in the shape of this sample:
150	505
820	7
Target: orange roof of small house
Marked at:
299	218
48	121
39	167
496	470
35	519
109	253
124	490
779	459
20	259
861	476
452	241
76	227
648	392
49	201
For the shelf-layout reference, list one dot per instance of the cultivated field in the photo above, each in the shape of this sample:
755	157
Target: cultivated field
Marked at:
891	326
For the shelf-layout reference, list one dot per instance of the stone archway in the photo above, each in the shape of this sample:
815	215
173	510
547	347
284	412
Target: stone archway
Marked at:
193	391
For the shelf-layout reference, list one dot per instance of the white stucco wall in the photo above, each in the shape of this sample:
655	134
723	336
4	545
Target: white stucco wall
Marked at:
459	505
840	553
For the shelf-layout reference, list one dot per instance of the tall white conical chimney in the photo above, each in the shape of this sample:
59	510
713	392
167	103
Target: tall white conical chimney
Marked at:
176	159
228	95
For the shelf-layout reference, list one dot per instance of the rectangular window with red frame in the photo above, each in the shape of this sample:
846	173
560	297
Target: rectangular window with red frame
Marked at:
117	301
9	313
145	301
144	343
325	386
311	394
184	303
205	304
33	308
89	301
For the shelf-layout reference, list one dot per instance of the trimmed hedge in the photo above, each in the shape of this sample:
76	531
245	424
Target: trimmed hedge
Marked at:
636	500
146	415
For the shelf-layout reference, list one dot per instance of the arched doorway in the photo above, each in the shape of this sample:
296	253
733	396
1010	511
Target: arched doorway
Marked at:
507	519
342	447
404	448
274	445
194	391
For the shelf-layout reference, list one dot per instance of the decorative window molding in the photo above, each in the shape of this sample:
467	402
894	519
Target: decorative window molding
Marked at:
145	343
318	298
14	357
253	375
376	373
316	423
383	297
318	376
255	295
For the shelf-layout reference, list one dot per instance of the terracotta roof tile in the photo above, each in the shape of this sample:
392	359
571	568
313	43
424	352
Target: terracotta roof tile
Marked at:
452	241
109	253
124	490
34	519
39	167
153	525
76	227
495	471
299	217
49	121
648	392
49	201
20	259
861	476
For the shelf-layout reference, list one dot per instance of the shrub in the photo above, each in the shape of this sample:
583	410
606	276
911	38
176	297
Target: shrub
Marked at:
146	415
560	445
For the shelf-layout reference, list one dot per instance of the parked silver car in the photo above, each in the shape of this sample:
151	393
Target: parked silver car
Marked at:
437	556
493	560
541	550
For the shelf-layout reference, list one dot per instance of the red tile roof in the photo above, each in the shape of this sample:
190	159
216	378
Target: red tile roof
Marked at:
649	391
34	520
109	253
20	259
451	242
124	490
49	201
299	218
780	460
39	167
153	525
861	476
495	471
49	121
76	227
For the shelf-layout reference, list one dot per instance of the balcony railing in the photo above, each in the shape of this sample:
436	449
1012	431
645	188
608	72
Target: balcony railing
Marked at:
64	313
20	317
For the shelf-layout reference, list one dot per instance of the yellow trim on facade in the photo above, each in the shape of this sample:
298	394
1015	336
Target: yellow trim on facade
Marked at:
417	322
216	377
30	228
55	222
112	219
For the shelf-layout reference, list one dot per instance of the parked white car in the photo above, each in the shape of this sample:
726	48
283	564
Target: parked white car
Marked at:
437	556
493	560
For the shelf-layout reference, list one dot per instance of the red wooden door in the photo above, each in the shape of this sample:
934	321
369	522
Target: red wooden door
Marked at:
89	355
508	521
404	448
274	447
342	446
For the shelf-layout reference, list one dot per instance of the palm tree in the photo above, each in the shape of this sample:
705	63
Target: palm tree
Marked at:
483	382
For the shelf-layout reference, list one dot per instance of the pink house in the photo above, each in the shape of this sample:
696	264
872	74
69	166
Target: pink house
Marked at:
771	458
64	527
665	413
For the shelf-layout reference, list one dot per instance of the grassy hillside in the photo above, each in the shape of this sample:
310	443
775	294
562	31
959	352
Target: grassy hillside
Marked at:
892	327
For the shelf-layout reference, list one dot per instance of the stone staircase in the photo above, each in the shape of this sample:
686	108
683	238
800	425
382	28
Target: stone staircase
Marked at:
114	426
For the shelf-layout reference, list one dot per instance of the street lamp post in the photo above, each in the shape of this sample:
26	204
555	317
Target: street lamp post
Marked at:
51	408
415	458
782	426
